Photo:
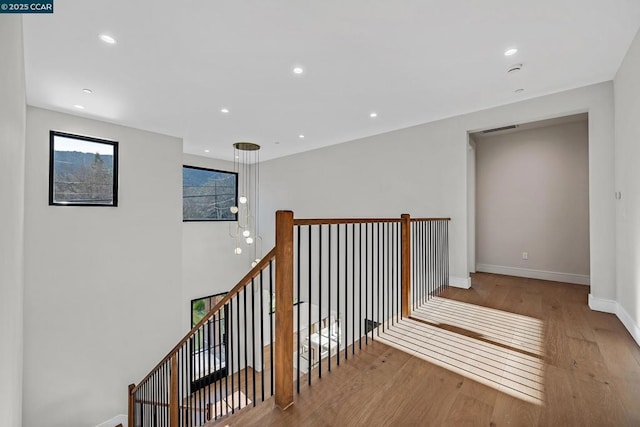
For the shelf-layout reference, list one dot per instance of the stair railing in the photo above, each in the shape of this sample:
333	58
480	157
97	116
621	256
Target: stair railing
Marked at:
337	281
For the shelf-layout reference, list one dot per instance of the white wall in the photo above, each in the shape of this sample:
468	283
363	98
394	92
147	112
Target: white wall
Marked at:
422	170
12	168
209	265
471	204
533	196
627	105
102	284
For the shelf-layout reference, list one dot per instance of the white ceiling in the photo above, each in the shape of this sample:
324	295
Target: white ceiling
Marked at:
177	63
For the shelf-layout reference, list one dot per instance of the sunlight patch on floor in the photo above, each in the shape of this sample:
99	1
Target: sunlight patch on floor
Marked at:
498	349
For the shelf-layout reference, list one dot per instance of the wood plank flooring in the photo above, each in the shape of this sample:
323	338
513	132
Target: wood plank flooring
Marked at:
542	334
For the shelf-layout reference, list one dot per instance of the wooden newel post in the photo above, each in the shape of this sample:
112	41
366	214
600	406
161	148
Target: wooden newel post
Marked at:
406	264
283	364
174	408
132	401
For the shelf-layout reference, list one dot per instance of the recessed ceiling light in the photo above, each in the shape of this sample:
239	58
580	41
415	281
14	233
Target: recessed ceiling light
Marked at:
206	151
87	90
298	70
511	51
107	39
373	115
224	110
519	90
301	136
79	107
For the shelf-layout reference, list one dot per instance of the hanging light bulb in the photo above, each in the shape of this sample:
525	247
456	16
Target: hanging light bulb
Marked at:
249	240
234	209
246	233
243	199
253	264
238	251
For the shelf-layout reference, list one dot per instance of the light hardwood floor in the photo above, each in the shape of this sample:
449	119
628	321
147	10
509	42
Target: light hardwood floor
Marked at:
534	354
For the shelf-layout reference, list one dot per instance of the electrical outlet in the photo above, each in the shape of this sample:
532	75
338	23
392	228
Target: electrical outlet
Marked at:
525	255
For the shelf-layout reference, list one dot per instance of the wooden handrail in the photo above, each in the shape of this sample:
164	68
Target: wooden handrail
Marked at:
255	271
325	221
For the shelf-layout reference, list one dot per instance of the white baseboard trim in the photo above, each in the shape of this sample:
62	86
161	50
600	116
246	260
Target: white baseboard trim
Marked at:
610	306
627	321
460	282
118	419
554	276
601	304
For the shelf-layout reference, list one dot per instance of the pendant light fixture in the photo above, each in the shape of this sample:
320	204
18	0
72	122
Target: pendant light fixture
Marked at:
245	231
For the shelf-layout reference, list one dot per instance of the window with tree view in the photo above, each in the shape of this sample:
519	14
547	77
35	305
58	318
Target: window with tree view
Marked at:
208	194
83	171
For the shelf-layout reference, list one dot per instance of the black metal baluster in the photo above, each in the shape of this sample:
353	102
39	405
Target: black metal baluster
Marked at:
437	257
161	394
378	251
231	351
298	274
253	338
429	257
394	264
414	264
238	335
353	288
366	280
222	334
420	259
214	371
262	336
385	289
246	365
228	353
338	319
320	301
423	271
184	396
309	361
346	290
439	224
423	290
328	298
360	280
207	368
142	403
271	324
446	251
155	398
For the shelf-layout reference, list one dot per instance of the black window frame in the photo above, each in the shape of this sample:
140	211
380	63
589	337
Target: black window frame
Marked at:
52	135
235	216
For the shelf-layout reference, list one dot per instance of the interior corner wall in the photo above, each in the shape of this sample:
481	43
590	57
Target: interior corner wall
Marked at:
102	284
422	170
471	204
209	265
12	170
533	196
627	126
